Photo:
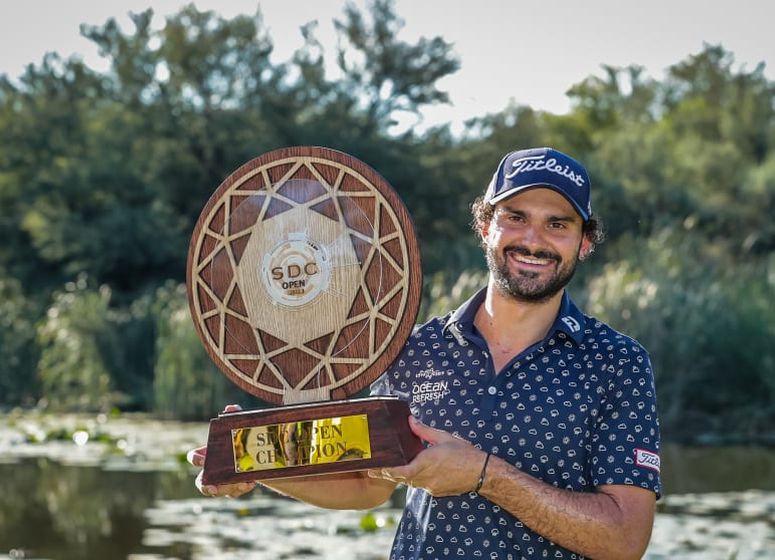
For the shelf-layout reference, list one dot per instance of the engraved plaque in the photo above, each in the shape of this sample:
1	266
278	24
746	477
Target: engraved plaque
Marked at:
293	444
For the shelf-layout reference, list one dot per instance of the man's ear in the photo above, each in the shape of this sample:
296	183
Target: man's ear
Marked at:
587	248
484	231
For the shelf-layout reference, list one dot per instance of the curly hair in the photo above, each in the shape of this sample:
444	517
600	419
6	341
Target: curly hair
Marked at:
593	229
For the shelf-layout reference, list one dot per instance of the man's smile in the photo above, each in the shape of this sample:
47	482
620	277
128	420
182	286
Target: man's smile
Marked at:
530	260
523	257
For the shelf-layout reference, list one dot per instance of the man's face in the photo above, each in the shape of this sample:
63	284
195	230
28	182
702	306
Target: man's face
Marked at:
533	244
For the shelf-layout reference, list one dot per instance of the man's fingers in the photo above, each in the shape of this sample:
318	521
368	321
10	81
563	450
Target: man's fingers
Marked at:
224	490
386	474
233	490
428	434
197	456
395	474
199	484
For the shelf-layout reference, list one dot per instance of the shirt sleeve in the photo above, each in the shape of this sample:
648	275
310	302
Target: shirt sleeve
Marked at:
626	441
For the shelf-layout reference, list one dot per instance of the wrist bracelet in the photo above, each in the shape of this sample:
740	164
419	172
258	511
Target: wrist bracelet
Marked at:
482	474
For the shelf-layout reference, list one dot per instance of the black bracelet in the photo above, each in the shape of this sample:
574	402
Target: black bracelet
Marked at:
482	474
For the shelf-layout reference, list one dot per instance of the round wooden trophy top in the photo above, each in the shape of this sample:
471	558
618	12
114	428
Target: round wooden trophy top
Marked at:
304	275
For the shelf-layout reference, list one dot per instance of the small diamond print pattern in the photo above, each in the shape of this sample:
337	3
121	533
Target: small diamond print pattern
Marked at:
571	411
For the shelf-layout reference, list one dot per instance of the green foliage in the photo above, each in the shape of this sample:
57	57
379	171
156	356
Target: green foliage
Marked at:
387	75
95	355
708	326
187	385
687	151
72	370
369	523
102	176
444	292
18	351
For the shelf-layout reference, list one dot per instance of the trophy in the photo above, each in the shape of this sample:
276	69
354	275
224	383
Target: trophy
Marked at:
304	283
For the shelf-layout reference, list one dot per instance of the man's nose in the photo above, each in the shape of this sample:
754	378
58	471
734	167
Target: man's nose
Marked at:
532	236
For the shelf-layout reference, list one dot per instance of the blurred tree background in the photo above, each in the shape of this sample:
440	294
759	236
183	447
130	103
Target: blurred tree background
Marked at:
102	176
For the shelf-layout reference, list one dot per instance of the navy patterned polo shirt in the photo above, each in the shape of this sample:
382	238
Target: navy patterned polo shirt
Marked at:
576	410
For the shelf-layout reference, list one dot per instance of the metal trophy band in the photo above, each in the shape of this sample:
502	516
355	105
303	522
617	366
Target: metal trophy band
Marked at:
304	283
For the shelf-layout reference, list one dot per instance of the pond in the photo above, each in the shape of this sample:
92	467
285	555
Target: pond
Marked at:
132	497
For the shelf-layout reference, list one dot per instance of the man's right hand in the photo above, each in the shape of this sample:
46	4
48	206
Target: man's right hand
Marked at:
197	458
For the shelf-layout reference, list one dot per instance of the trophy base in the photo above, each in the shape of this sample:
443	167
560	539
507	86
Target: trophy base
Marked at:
309	439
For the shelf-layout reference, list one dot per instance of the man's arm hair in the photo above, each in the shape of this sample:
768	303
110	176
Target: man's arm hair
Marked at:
614	522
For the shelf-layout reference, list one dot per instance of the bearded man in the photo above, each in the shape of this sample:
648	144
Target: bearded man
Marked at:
540	421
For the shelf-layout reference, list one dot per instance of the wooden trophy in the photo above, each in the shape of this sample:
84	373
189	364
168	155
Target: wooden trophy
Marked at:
304	283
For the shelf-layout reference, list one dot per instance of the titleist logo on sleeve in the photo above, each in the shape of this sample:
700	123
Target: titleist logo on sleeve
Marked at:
647	459
537	163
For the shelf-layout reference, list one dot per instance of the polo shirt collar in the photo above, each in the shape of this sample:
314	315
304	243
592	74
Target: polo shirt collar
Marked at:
462	318
570	320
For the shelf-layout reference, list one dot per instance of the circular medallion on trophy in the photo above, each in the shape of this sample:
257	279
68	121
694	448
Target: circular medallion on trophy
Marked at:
304	275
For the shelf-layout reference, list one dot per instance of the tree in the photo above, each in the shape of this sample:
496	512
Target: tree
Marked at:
18	351
387	75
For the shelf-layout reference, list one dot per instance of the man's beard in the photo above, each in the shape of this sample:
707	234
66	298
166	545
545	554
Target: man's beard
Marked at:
526	286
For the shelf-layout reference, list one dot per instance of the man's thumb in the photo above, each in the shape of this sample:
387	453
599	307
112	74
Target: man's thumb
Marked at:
426	433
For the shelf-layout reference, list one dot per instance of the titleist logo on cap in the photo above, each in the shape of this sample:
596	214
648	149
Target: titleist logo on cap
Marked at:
537	163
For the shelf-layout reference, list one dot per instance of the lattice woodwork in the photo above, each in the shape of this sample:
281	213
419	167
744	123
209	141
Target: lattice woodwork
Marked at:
304	275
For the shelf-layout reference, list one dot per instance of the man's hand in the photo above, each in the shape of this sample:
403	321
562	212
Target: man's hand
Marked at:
197	458
449	467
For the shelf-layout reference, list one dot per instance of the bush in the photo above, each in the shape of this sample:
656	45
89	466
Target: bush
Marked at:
708	325
443	293
72	369
186	385
18	350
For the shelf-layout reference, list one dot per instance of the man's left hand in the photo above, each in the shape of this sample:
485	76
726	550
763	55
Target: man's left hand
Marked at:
450	466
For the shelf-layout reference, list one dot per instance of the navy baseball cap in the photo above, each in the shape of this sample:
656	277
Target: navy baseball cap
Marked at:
541	167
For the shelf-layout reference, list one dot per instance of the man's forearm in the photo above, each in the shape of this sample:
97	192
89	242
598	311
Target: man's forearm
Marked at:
335	491
594	524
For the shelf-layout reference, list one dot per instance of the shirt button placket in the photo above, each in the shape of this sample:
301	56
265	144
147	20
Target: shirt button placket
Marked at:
488	403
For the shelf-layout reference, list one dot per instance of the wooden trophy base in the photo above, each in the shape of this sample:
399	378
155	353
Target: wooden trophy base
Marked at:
309	439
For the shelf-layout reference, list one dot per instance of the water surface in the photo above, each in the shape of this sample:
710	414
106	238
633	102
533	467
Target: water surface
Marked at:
66	502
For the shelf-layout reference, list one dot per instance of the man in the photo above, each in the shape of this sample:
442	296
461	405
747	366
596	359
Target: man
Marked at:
540	422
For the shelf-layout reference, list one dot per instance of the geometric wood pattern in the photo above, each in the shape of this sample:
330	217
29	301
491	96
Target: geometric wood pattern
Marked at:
304	275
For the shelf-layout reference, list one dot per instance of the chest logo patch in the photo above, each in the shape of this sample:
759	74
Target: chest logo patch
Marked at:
426	391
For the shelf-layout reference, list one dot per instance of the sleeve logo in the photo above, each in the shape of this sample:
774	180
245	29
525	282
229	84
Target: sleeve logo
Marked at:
647	459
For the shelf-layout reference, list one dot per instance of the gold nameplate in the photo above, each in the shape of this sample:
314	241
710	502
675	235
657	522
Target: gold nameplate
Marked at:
309	442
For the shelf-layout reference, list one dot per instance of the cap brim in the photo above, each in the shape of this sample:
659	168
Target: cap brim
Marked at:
516	190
